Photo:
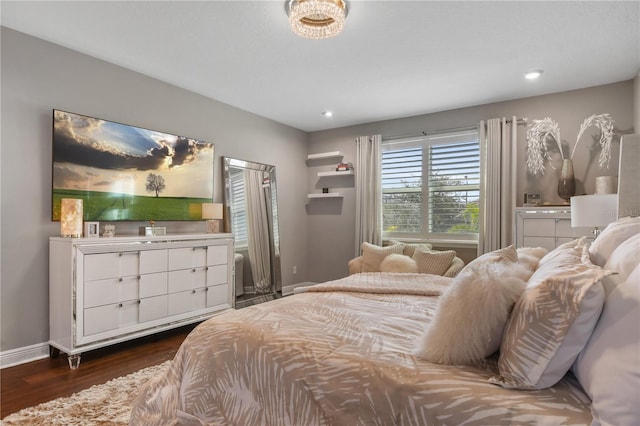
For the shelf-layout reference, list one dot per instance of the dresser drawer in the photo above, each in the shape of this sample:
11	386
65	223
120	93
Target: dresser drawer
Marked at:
188	257
109	291
187	279
217	255
539	228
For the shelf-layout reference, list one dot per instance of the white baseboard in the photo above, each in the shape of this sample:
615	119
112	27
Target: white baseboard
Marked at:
23	355
288	289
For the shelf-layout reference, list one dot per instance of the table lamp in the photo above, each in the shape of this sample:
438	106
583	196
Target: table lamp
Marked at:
595	211
71	217
213	213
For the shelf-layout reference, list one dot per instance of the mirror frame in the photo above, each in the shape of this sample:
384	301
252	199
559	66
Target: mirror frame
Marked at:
229	162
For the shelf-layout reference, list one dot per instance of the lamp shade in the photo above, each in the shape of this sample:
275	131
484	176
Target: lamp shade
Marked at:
594	210
71	217
212	210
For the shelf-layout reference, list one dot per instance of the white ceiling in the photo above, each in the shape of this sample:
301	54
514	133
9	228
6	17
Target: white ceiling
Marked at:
393	59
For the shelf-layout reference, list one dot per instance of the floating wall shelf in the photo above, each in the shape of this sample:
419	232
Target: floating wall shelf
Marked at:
326	195
336	173
324	155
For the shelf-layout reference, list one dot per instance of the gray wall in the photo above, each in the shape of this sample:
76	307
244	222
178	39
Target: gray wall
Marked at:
332	222
37	77
636	102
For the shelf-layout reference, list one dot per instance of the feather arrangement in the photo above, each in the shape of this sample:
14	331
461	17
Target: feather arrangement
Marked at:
538	131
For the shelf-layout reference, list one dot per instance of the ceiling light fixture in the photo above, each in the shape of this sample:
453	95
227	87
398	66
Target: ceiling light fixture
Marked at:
316	19
532	75
327	114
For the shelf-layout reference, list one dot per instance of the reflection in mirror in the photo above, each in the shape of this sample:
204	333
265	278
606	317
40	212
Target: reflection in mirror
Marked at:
251	206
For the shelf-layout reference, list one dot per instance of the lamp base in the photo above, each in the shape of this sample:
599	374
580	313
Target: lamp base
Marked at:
213	226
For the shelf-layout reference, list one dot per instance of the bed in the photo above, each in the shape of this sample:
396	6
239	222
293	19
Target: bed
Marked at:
345	352
519	337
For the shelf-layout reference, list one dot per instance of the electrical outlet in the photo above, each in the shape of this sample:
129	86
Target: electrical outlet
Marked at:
295	270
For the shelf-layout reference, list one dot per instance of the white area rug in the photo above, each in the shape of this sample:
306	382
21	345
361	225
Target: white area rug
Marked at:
106	404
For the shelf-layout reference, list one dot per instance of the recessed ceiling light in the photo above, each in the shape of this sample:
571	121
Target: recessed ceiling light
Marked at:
532	75
327	114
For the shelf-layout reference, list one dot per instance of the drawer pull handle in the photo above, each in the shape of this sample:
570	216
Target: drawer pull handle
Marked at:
139	277
120	279
193	270
206	268
193	291
139	301
120	305
206	289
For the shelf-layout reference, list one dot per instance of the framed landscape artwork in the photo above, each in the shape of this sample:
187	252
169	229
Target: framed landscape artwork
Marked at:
123	172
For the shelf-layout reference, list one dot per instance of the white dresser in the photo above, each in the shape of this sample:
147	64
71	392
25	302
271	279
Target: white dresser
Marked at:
107	290
545	227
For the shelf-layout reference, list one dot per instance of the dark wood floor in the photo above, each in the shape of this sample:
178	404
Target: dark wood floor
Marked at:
40	381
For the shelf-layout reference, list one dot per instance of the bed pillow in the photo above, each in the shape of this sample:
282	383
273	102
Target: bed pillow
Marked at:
410	248
530	257
552	321
432	261
608	368
398	263
625	257
372	255
611	237
468	323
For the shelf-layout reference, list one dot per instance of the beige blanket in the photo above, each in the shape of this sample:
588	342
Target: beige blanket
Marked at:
338	358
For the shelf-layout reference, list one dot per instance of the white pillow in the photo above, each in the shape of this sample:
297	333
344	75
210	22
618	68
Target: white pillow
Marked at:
608	368
613	235
625	257
398	263
469	320
372	255
552	321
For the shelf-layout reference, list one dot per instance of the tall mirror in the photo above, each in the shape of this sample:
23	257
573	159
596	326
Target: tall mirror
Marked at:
251	206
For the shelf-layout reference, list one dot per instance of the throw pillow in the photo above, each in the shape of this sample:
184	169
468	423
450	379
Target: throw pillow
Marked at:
608	368
372	255
611	237
410	248
471	314
398	263
625	257
552	321
433	262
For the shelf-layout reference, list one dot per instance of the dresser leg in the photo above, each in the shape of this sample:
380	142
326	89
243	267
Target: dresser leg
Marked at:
74	361
53	352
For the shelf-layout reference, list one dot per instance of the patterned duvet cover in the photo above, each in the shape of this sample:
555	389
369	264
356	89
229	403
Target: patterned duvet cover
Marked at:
339	353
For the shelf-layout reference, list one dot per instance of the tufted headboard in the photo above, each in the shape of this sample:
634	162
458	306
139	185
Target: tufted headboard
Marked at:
629	176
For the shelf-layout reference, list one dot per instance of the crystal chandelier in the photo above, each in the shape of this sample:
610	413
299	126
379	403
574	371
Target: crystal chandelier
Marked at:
316	19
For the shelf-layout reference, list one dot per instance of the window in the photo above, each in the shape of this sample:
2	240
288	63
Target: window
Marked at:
431	186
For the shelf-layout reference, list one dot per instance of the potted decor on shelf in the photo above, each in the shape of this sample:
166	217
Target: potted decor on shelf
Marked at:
538	131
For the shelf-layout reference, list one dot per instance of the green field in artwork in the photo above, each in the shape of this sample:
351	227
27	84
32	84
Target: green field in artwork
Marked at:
109	206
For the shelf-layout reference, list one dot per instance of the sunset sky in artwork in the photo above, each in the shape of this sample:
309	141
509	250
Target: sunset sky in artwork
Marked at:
97	155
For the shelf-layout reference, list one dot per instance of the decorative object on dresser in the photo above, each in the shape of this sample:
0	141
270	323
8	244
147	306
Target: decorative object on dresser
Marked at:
71	217
538	131
595	211
104	291
213	213
92	229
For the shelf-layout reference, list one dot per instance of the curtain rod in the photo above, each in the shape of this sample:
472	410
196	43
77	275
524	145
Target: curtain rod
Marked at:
519	121
434	132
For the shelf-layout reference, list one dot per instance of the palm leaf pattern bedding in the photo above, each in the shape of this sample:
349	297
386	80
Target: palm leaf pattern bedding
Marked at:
339	354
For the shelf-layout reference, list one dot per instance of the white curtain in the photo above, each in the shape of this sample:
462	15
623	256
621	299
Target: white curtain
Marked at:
368	191
498	142
258	231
